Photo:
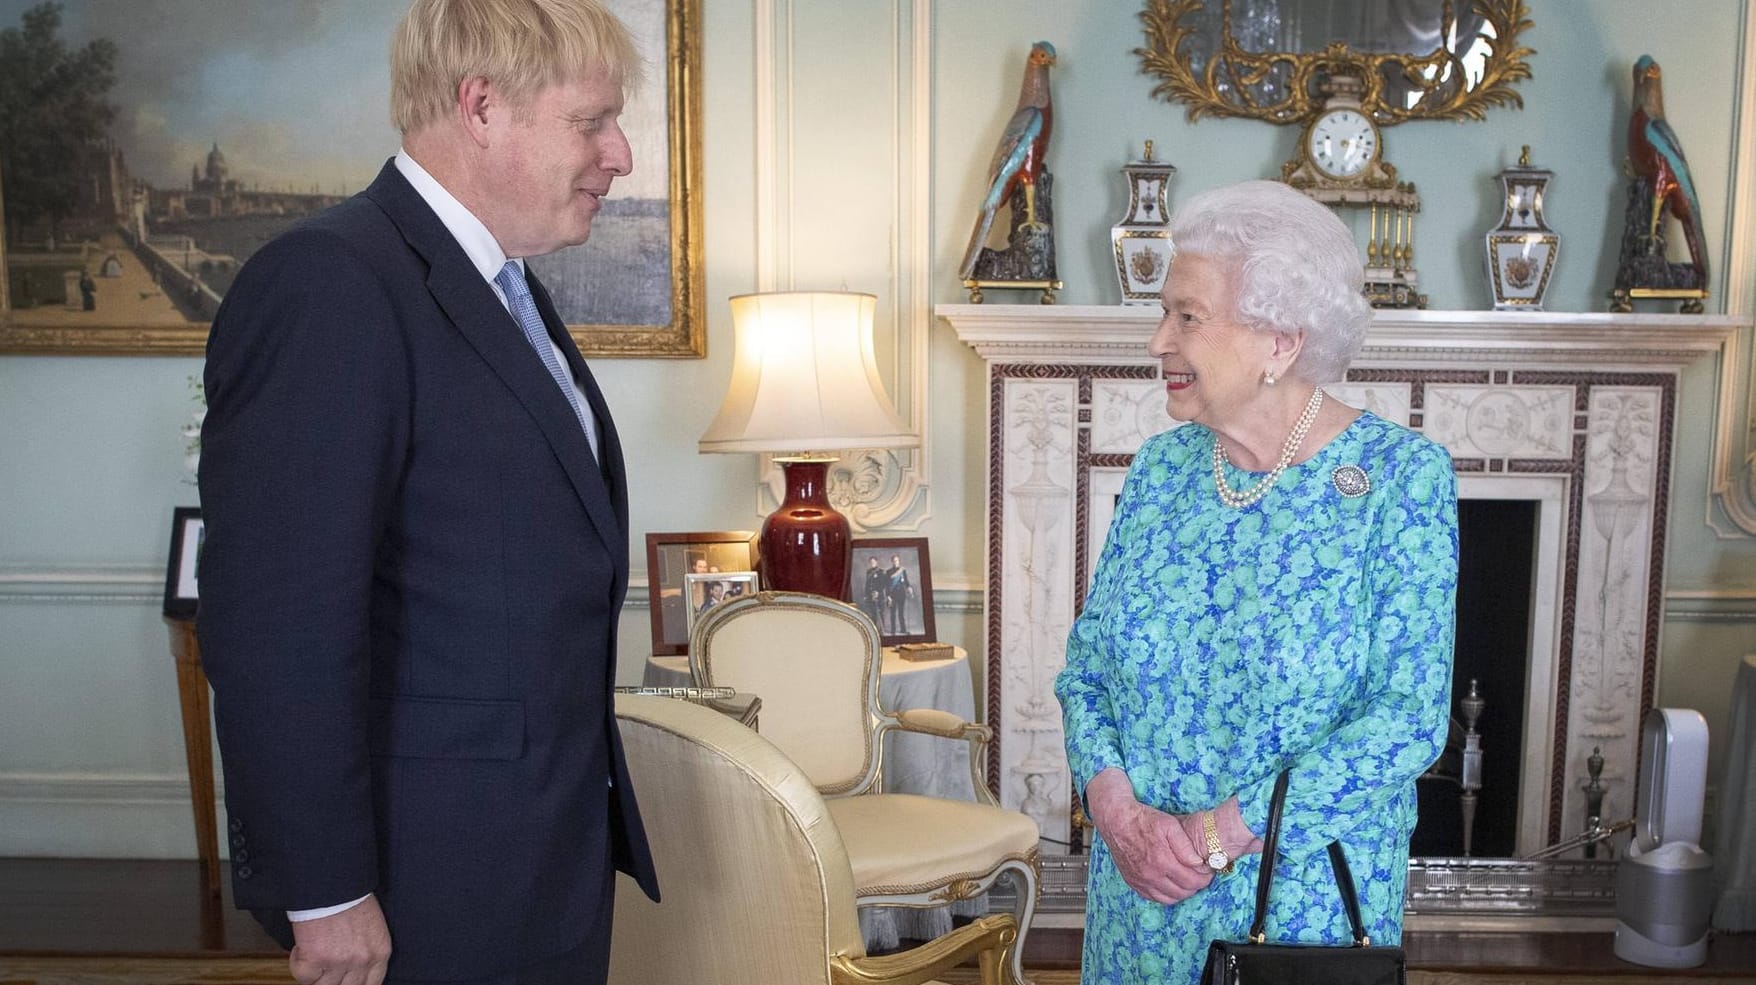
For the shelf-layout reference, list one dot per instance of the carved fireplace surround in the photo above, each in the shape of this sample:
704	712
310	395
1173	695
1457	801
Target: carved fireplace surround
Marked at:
1573	411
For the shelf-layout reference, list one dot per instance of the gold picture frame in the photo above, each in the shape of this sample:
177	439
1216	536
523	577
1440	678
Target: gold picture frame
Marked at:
59	326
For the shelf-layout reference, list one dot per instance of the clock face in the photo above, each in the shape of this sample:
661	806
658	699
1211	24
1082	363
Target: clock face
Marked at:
1342	143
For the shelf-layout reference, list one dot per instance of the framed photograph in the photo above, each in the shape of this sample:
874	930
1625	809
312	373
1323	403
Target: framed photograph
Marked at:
670	559
168	155
704	591
891	580
183	570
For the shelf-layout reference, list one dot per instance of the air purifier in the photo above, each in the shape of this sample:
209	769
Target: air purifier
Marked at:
1664	883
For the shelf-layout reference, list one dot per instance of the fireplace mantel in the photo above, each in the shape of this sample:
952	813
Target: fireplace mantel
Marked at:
1116	334
1575	411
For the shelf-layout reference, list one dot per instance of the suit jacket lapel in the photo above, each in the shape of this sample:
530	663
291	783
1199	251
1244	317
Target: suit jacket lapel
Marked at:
612	480
484	322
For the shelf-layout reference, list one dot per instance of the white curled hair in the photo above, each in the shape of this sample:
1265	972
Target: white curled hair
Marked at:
1296	268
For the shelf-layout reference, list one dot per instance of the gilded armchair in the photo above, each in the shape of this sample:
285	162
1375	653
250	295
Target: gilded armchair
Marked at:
754	878
815	664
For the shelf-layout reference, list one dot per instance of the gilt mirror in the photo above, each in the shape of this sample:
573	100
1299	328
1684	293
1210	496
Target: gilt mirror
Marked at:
1263	59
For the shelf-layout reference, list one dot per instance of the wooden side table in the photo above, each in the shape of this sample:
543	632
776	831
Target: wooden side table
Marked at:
197	746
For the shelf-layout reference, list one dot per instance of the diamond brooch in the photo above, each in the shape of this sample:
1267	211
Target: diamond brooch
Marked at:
1350	481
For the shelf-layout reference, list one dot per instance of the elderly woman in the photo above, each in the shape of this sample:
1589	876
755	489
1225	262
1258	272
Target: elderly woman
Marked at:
1277	593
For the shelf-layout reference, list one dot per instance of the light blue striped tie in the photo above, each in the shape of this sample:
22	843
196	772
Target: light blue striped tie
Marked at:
524	308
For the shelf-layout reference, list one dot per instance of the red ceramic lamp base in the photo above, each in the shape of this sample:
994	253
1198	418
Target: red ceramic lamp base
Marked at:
806	545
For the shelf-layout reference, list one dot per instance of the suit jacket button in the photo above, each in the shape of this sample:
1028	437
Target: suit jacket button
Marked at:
236	825
243	872
240	856
238	841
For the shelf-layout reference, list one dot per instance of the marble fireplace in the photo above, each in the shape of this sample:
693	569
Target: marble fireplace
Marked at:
1574	412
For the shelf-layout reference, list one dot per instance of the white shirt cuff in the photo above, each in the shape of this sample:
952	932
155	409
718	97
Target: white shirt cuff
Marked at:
300	916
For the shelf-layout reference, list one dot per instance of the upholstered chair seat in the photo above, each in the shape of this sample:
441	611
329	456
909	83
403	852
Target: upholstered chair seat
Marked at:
814	662
884	834
754	877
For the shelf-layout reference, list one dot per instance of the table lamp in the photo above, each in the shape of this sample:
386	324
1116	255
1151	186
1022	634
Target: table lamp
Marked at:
805	382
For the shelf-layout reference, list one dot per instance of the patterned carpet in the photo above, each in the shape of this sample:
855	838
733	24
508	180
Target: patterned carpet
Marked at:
256	971
969	976
273	971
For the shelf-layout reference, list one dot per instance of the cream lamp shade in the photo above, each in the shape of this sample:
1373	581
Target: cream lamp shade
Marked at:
804	378
804	382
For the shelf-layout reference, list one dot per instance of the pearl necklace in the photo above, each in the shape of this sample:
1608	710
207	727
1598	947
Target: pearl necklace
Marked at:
1239	500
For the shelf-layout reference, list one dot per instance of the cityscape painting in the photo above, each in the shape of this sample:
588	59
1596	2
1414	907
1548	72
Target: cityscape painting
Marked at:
149	147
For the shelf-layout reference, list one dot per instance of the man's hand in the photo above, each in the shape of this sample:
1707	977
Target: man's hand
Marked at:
1152	849
347	948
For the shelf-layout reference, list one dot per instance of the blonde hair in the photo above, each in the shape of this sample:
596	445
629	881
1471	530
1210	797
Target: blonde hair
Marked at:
521	46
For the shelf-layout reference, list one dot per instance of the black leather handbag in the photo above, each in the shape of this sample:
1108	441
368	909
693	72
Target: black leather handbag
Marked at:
1257	962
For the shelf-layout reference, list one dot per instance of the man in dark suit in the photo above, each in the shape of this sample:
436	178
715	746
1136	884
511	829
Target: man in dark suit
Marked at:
417	542
872	600
898	592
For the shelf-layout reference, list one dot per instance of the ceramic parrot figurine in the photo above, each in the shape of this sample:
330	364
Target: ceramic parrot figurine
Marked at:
1019	158
1657	157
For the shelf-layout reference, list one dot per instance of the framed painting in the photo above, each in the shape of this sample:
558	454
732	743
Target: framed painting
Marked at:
672	559
143	160
891	580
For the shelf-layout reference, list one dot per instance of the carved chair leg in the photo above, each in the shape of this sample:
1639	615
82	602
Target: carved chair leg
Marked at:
992	970
1027	886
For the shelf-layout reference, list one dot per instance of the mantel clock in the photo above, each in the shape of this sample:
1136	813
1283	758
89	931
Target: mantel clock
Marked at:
1340	162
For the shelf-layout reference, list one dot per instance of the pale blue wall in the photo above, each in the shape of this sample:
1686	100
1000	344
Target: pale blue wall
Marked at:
1574	116
90	457
1575	109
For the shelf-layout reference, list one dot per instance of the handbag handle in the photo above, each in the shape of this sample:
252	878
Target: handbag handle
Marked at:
1344	877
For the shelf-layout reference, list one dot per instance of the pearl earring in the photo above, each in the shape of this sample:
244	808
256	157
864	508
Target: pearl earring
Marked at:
1268	377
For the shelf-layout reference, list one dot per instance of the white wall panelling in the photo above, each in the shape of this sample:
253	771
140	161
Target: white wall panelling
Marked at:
825	225
1734	452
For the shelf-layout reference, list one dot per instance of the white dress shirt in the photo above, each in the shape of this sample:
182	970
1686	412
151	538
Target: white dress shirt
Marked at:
484	251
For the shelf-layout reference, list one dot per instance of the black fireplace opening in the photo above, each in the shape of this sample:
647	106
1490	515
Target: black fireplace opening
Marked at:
1496	572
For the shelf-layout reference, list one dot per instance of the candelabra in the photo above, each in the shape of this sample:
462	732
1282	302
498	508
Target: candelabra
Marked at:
1594	796
1595	830
1470	774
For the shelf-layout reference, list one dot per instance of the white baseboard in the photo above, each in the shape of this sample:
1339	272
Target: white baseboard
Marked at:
96	815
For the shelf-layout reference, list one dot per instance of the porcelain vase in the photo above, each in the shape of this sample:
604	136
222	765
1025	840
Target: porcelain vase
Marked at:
1522	249
1142	240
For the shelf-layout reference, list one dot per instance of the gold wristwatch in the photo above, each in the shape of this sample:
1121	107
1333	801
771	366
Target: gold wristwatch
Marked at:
1217	859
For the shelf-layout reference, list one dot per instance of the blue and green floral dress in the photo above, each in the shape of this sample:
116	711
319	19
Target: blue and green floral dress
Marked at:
1311	631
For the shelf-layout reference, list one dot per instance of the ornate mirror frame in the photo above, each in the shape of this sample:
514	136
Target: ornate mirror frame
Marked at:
1223	86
